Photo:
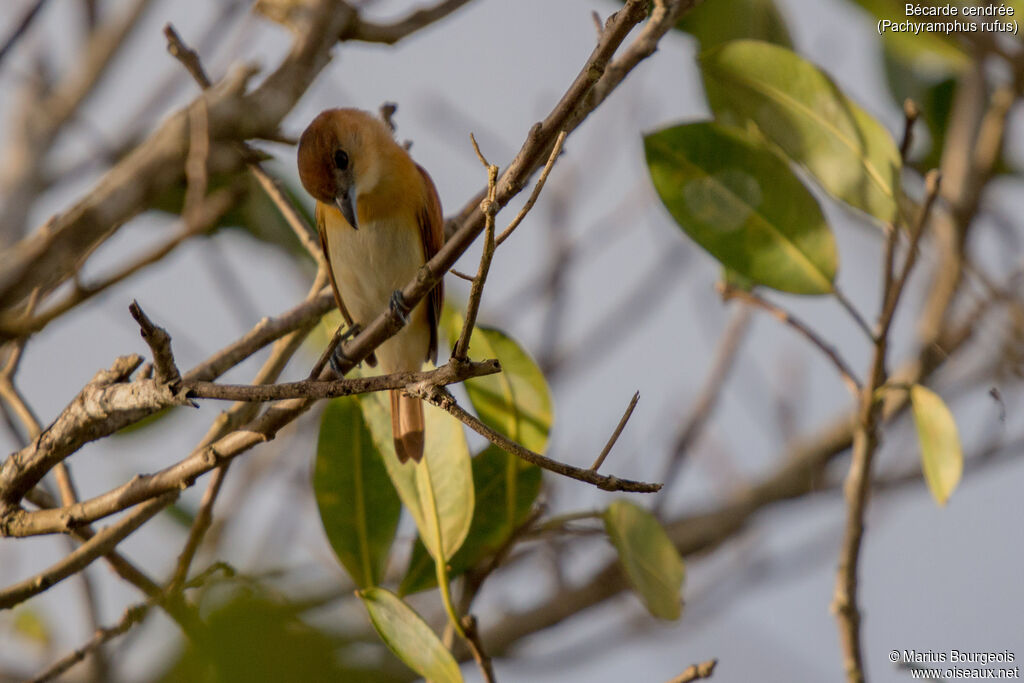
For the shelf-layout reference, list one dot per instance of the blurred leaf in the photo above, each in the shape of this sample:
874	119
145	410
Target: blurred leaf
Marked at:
515	402
796	106
650	561
147	421
941	457
714	23
491	525
742	203
736	280
445	467
358	505
31	626
255	213
927	50
409	637
254	638
183	514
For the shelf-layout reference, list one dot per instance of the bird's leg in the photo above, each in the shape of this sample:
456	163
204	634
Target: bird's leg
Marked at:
338	356
399	306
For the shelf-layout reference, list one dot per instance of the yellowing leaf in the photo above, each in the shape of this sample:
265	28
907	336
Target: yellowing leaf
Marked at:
409	637
446	469
942	459
650	561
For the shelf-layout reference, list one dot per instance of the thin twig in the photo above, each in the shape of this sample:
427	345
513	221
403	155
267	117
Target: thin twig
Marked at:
615	435
440	397
159	343
449	373
555	151
696	672
132	616
213	208
100	544
932	185
18	31
200	525
476	291
726	353
197	159
910	114
865	444
476	646
389	34
852	310
189	58
729	292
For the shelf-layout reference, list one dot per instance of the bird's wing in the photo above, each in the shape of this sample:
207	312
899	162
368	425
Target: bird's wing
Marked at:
431	221
321	226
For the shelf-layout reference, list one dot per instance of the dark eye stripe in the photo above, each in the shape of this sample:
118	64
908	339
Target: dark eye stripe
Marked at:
341	159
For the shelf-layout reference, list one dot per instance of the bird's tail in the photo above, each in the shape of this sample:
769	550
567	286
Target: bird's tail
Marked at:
407	426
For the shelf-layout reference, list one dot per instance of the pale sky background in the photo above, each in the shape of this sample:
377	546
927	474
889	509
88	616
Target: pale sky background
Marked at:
932	579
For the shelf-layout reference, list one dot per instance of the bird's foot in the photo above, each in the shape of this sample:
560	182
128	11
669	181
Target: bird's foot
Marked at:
338	357
399	306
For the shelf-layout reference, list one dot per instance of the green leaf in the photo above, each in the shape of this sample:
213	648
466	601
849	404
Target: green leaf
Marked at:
744	205
714	23
797	107
254	213
491	525
926	50
409	637
941	456
256	637
650	561
446	469
515	402
358	505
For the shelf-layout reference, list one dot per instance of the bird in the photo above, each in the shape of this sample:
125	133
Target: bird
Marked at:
379	218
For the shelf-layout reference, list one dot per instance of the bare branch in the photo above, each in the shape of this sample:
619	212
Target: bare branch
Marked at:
729	292
100	544
615	435
476	291
159	343
450	373
696	672
132	616
105	405
439	397
390	34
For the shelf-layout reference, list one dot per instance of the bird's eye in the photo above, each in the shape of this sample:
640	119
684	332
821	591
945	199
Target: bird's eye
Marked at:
341	159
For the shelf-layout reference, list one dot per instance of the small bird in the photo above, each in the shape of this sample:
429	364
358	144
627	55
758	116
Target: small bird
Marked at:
380	219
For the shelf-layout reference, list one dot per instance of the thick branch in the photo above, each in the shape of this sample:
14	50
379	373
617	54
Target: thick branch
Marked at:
105	405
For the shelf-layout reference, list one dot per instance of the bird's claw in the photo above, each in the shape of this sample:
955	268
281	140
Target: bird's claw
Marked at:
338	356
399	306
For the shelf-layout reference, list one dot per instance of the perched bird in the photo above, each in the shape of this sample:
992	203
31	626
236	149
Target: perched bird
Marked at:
379	219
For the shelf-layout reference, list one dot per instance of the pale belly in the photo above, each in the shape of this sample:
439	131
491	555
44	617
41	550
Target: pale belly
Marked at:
371	263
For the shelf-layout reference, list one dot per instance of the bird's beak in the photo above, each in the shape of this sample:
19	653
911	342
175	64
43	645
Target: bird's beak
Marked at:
347	208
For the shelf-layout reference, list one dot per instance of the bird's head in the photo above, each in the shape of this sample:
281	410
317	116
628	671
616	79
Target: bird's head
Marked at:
340	157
